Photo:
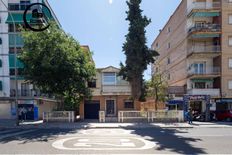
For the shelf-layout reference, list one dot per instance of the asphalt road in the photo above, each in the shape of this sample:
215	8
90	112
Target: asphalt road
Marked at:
116	141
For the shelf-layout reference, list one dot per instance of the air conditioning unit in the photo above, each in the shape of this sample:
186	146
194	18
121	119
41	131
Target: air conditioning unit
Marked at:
172	96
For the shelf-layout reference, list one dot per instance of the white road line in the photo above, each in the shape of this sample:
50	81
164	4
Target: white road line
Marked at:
17	133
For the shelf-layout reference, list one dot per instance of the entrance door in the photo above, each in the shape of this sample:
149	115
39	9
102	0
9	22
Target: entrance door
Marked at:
91	109
110	108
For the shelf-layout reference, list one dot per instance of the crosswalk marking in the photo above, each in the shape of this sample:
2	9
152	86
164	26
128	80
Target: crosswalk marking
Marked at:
14	132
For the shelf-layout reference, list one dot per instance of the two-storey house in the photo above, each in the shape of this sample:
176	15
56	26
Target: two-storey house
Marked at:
110	94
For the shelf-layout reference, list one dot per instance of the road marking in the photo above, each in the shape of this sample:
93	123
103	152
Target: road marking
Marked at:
85	144
16	134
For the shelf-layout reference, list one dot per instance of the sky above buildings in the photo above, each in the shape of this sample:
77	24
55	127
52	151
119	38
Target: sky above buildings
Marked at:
101	24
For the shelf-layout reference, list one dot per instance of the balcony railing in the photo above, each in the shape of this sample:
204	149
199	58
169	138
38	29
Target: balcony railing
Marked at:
116	89
24	93
204	5
206	91
207	71
205	49
210	27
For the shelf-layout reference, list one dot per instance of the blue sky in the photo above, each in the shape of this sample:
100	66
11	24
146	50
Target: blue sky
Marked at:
101	24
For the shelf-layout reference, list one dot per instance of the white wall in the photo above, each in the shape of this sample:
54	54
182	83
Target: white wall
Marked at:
4	48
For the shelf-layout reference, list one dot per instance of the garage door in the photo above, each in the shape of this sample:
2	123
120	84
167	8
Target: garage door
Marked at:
91	109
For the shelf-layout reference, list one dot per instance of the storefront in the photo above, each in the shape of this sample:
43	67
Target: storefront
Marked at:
199	104
175	104
224	104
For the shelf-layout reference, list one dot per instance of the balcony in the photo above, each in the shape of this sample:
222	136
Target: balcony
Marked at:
214	92
208	72
26	93
116	89
209	27
198	6
211	49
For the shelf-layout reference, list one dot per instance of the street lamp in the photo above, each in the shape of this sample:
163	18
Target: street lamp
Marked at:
15	63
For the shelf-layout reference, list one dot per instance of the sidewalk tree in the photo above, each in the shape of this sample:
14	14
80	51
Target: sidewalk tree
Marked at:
138	55
56	63
157	88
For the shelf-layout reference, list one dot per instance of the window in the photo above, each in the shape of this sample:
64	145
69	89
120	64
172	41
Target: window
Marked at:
13	7
199	68
200	85
230	63
169	30
230	19
0	63
0	41
128	104
169	45
230	40
230	84
109	78
0	85
92	84
169	76
11	50
168	61
157	45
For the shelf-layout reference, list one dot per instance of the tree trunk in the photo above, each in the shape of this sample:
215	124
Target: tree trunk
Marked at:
136	87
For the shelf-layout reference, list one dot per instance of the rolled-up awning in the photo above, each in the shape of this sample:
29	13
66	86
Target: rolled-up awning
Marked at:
175	102
206	14
17	18
205	35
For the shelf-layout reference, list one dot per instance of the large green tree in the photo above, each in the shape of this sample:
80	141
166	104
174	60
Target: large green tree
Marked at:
138	55
56	63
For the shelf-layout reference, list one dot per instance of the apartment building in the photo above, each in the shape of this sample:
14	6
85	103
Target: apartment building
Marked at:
110	94
11	12
195	48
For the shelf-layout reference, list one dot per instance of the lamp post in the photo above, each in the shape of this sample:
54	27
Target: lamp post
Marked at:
15	65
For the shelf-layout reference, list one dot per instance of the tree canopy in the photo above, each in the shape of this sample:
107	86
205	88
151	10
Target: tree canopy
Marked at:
56	63
138	55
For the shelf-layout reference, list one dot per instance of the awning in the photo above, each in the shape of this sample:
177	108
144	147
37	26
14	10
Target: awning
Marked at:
202	80
205	35
175	102
17	18
224	100
206	14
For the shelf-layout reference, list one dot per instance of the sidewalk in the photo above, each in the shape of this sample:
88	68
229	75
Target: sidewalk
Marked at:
87	125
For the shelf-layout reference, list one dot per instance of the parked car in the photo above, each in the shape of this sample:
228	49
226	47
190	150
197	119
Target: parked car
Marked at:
223	115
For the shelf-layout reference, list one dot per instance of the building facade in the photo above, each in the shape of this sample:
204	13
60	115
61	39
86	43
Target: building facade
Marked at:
11	13
195	52
110	94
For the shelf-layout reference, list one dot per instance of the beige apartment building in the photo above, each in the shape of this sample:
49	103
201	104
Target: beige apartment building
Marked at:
195	48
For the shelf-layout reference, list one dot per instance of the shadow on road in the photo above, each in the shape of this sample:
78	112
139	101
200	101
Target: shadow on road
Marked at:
38	135
166	139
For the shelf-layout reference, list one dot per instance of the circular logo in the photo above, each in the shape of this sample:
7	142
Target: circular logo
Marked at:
36	17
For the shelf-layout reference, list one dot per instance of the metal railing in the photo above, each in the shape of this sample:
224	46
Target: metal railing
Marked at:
59	116
163	115
206	49
25	93
203	5
125	115
206	71
209	27
151	116
116	89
